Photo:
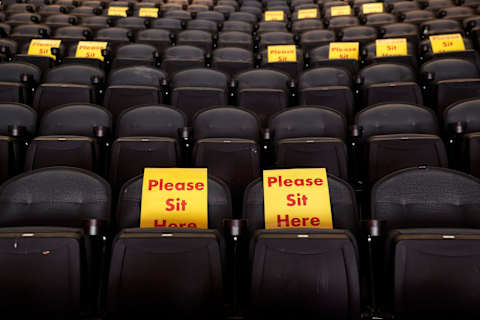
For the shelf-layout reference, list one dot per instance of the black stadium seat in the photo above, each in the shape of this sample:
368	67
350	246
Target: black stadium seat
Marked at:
182	269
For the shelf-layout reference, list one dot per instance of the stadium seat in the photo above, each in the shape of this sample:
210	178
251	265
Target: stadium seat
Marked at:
47	261
160	39
465	114
179	58
388	82
231	134
178	270
136	54
196	38
132	86
17	126
17	81
263	91
309	136
68	84
291	258
396	136
450	80
146	136
62	142
431	242
232	60
196	89
329	87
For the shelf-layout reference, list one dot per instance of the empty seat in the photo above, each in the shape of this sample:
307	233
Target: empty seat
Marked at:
211	16
47	266
191	284
379	19
400	30
329	87
416	16
131	23
238	26
316	38
61	20
132	86
388	82
341	22
17	125
17	81
136	54
196	38
235	39
431	232
450	80
294	257
97	22
440	26
275	38
263	91
301	26
146	136
231	134
25	32
310	136
68	84
465	114
203	25
362	34
180	58
71	34
397	136
271	26
63	142
160	39
196	89
115	35
170	24
232	60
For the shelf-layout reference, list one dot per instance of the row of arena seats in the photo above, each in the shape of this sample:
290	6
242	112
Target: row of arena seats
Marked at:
384	138
428	245
264	91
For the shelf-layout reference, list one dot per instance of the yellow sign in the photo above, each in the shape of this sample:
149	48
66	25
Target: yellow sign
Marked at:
447	43
43	47
274	16
283	53
340	11
296	198
376	7
118	11
90	49
391	47
307	14
174	198
148	12
343	50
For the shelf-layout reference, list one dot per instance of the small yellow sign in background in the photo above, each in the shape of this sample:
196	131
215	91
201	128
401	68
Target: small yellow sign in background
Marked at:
90	49
174	198
296	198
372	8
391	47
343	50
282	53
43	47
274	15
307	14
148	12
118	11
340	11
447	42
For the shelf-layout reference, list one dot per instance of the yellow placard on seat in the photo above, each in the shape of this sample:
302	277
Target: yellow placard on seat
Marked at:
118	11
43	47
90	49
447	42
340	11
391	47
282	53
376	7
343	50
307	14
174	198
296	198
274	15
148	12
